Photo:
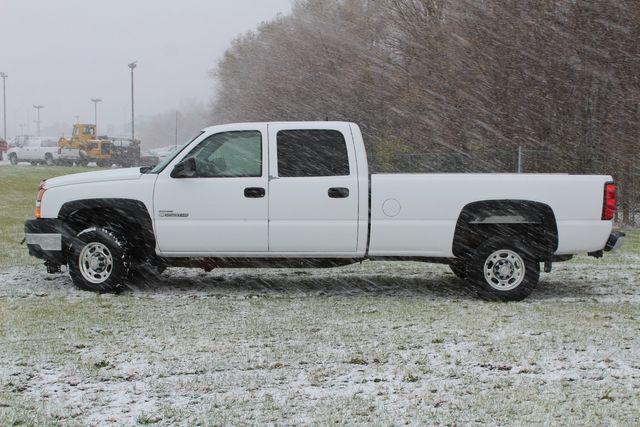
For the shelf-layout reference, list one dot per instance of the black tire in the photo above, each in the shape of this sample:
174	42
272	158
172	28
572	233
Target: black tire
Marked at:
517	282
13	158
459	268
48	159
112	279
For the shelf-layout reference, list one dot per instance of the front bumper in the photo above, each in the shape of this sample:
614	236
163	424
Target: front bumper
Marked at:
44	238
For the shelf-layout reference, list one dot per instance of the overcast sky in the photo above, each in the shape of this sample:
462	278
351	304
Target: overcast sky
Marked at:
61	53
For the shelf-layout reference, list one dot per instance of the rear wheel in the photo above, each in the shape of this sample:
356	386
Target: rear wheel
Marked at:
99	261
48	159
504	270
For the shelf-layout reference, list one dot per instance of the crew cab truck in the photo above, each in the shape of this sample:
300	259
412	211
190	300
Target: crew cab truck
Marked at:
36	150
300	194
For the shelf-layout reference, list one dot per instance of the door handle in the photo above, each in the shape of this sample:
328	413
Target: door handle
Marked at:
254	193
338	193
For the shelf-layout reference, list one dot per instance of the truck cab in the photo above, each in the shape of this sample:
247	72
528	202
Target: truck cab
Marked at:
247	187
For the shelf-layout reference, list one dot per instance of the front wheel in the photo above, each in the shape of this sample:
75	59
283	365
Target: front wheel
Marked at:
99	261
48	159
504	270
13	159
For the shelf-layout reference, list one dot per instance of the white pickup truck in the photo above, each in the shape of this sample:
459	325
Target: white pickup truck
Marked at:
33	149
300	194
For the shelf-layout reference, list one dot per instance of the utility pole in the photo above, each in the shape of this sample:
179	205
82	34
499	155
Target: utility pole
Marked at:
176	128
132	66
4	102
38	108
95	112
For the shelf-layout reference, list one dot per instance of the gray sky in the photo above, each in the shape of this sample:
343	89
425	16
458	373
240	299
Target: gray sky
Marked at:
61	53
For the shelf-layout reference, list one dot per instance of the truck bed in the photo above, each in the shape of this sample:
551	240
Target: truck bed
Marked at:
416	214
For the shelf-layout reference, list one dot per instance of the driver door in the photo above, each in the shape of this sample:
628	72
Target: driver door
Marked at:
223	209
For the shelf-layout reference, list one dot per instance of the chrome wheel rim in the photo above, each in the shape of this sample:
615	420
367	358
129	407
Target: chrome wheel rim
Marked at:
504	270
96	263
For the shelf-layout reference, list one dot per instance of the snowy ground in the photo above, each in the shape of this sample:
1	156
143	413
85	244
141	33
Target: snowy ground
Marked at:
374	343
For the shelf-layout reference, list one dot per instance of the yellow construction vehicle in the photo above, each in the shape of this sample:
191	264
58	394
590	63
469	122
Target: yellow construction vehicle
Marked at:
89	147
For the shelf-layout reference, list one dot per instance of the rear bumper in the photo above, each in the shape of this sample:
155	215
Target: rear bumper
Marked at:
44	240
615	242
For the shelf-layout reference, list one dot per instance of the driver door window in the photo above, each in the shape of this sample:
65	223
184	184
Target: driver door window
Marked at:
235	154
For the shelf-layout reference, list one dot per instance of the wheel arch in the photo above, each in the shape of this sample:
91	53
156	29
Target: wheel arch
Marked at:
131	217
534	222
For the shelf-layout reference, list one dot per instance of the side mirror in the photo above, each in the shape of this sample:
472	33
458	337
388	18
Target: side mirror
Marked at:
185	169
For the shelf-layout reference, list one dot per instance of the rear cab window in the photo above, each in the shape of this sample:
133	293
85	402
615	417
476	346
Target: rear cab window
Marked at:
312	153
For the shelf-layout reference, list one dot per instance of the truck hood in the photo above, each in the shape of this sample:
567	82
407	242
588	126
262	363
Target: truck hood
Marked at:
89	177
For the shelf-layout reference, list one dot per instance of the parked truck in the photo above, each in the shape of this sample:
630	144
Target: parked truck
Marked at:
291	194
33	149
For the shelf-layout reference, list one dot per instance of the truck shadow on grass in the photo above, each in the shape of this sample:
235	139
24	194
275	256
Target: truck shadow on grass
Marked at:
302	284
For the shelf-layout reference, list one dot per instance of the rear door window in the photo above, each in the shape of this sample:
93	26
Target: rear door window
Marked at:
312	153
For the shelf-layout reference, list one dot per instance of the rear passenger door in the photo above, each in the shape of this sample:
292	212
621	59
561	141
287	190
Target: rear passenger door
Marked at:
313	190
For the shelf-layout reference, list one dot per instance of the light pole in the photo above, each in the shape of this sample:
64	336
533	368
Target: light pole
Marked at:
38	108
132	66
176	128
95	101
4	103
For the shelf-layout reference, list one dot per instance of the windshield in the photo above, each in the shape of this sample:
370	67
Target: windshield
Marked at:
163	164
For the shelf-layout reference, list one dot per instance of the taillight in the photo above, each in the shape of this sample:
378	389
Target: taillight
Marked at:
610	201
39	200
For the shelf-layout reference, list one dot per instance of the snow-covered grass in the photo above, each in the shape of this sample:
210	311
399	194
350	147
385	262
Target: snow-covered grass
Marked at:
373	343
379	343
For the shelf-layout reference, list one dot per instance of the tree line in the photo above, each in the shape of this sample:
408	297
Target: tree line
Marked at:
465	82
